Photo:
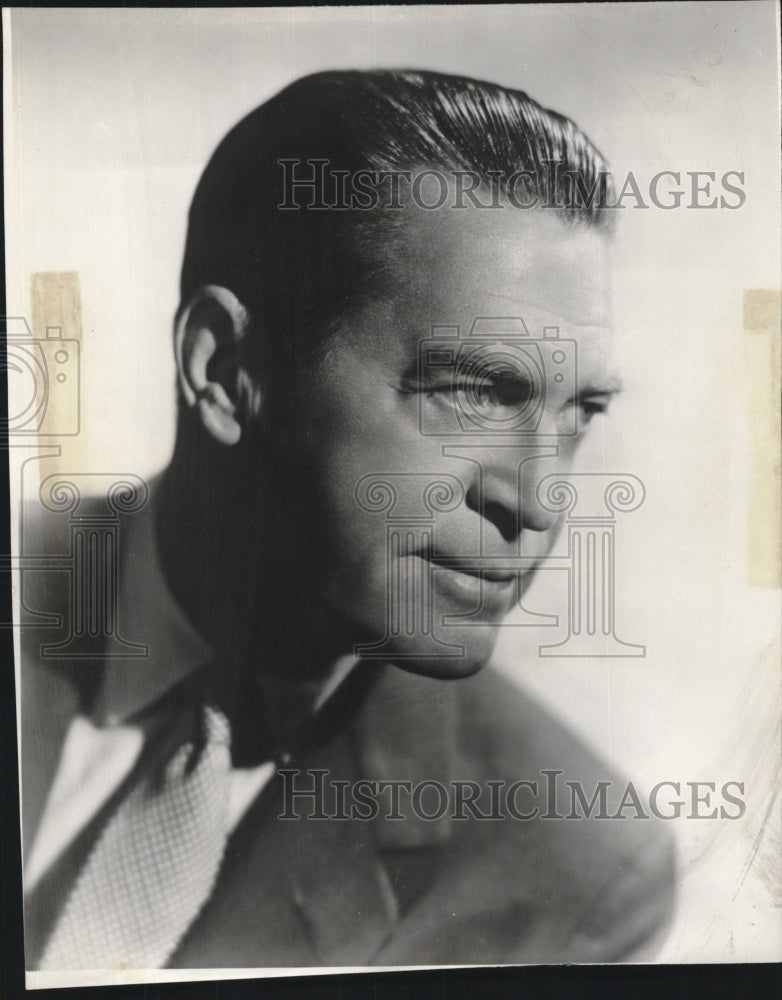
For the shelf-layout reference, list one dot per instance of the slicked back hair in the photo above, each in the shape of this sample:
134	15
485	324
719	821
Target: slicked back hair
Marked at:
299	270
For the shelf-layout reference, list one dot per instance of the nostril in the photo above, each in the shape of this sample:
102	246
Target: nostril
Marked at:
506	521
505	516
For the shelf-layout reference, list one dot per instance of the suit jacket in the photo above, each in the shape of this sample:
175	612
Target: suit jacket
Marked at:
391	891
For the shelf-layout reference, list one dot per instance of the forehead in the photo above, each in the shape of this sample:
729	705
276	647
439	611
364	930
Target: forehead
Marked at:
450	266
505	259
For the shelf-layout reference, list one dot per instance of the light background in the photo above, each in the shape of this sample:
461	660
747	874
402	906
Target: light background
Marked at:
113	115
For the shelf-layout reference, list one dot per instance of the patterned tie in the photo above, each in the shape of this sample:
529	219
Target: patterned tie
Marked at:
154	865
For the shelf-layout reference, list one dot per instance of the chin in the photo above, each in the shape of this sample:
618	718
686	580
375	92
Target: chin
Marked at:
472	650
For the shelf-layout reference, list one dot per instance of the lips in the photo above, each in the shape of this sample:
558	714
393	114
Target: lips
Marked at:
488	568
469	583
459	564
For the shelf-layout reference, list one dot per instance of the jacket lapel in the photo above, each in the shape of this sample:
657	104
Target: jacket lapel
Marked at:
296	892
312	892
406	731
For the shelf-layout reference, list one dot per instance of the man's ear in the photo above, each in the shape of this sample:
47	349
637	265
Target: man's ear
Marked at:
211	363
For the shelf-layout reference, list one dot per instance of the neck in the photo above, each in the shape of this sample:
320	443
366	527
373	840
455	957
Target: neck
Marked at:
229	558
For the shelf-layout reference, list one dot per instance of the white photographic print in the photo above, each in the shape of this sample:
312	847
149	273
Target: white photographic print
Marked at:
394	452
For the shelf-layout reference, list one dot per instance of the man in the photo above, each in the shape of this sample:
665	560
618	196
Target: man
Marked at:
205	808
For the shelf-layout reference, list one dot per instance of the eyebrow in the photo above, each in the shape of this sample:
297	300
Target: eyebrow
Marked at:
612	386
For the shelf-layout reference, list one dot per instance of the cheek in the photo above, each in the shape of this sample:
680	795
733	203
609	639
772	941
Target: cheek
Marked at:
540	544
359	441
355	468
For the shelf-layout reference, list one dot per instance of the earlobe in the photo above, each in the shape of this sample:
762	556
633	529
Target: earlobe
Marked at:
218	414
207	338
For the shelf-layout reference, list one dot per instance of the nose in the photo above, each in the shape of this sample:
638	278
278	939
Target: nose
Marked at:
504	490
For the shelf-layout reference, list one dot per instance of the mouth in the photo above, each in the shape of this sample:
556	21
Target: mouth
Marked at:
471	580
495	569
472	567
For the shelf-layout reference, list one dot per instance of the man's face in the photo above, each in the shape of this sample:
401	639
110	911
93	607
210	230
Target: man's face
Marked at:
418	461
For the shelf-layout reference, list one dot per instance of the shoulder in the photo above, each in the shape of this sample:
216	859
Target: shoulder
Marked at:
567	855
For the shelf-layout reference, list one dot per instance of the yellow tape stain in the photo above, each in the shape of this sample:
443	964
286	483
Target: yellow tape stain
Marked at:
763	344
57	333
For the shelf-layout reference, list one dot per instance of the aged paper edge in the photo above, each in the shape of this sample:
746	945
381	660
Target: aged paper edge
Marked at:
762	345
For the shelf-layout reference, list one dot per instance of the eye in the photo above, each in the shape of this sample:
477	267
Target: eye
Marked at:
588	407
502	389
591	408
